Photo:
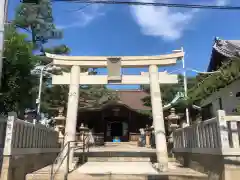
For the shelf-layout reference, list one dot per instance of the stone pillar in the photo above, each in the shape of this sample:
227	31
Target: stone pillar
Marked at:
148	144
72	110
158	120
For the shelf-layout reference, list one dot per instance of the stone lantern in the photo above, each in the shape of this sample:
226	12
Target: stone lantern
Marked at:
173	120
60	124
83	132
172	125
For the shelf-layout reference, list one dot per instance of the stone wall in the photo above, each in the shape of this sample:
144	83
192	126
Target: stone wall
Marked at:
27	148
3	123
209	164
217	167
17	167
211	147
229	97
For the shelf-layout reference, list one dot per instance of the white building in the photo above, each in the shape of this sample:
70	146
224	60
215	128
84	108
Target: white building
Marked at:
227	98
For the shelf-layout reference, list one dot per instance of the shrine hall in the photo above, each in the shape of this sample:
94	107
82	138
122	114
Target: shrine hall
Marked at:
122	118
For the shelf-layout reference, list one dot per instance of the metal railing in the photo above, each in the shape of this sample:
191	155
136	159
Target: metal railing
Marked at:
62	157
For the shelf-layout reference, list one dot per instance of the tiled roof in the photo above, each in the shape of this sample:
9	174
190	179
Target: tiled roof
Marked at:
129	98
223	50
133	99
228	48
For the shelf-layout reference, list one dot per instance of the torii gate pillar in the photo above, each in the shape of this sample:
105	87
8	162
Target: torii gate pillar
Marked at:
72	109
158	120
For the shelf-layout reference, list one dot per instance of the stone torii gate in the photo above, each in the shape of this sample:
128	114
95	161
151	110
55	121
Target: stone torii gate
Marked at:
114	64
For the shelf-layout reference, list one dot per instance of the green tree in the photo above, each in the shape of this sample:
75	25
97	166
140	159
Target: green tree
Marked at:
90	97
169	92
37	19
17	65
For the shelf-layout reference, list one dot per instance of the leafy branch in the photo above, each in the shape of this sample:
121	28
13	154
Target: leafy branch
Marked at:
228	73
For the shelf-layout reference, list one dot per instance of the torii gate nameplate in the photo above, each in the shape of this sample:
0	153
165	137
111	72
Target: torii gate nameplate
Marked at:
114	70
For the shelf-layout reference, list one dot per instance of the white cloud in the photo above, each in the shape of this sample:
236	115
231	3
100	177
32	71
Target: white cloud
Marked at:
162	21
83	17
222	2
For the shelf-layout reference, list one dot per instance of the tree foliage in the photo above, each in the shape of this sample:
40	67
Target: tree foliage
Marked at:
169	91
37	19
19	87
90	97
16	79
228	73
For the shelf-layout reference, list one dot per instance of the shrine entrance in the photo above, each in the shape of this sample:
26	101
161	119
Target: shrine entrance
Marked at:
114	119
116	127
114	64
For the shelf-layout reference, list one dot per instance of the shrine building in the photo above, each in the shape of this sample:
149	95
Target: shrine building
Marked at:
122	118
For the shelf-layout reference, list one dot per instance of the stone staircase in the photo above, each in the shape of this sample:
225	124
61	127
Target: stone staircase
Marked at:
132	171
120	171
118	159
44	174
121	161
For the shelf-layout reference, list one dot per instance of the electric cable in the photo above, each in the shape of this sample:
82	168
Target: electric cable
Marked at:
79	9
138	3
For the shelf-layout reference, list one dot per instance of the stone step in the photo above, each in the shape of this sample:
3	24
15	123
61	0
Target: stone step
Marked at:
45	174
134	177
73	176
44	177
118	159
120	171
121	143
133	171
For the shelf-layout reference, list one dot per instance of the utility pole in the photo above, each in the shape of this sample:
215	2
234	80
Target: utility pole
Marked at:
3	20
185	87
184	83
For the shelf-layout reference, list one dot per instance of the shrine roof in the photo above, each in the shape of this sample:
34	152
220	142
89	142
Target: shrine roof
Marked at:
222	51
133	99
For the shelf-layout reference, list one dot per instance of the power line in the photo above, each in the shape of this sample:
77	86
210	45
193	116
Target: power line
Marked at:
80	8
137	3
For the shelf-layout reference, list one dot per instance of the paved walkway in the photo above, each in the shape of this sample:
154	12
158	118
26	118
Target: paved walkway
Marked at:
120	147
135	170
117	168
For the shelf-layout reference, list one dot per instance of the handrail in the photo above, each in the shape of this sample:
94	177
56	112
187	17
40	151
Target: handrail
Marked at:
57	158
66	156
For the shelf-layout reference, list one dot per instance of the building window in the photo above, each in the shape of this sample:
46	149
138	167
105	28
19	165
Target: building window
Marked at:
238	94
207	112
220	103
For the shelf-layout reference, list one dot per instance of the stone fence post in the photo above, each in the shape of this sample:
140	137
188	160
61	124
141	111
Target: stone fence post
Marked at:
6	173
12	116
223	129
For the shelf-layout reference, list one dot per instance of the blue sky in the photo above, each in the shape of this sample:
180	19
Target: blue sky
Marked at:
123	30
